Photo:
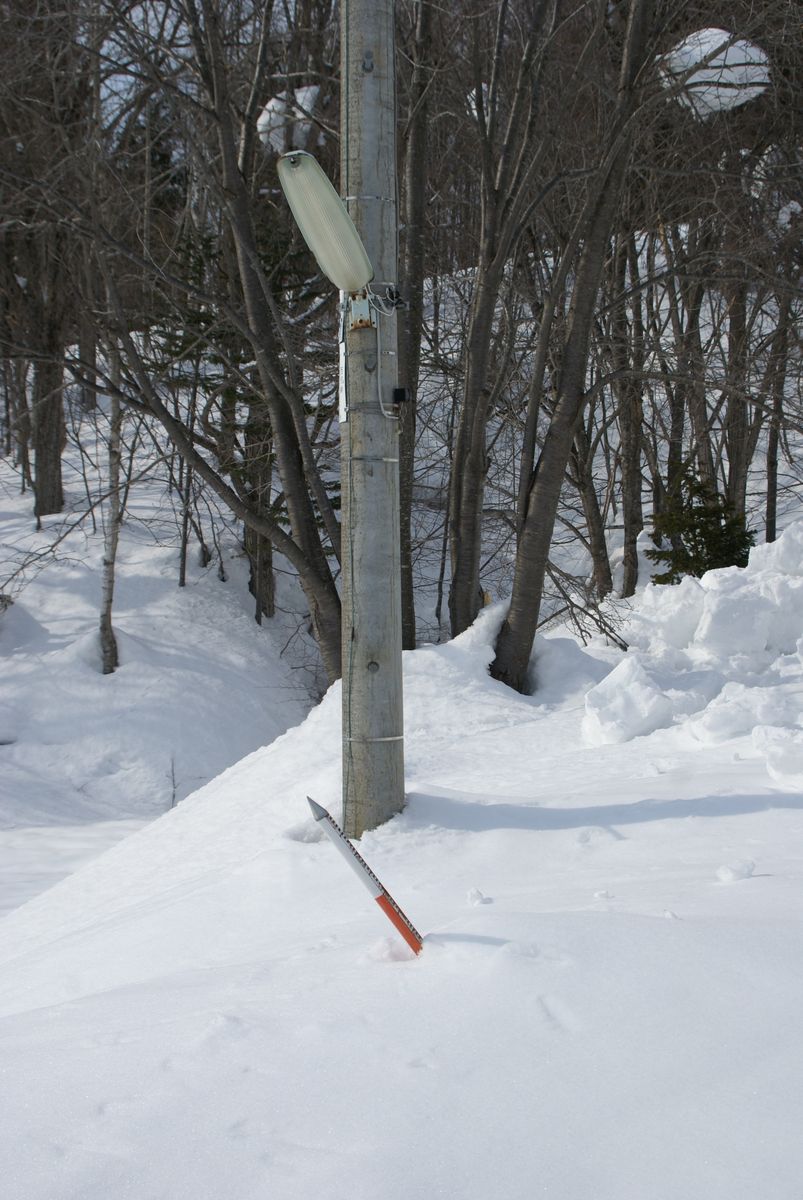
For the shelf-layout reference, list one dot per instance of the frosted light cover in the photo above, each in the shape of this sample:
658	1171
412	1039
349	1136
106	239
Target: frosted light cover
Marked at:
325	225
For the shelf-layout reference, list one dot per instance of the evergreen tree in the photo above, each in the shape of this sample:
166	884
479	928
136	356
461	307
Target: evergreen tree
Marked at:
704	532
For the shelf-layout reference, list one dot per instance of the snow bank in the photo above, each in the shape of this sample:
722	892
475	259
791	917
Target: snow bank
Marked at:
719	655
717	71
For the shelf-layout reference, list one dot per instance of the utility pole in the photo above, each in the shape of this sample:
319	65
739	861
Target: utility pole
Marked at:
373	747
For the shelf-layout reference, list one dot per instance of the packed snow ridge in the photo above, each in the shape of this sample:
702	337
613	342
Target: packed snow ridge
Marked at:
721	654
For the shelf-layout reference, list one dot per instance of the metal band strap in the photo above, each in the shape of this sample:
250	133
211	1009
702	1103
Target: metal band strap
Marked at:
398	738
379	199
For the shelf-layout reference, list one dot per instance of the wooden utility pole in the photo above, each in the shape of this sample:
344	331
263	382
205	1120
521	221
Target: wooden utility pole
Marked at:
373	748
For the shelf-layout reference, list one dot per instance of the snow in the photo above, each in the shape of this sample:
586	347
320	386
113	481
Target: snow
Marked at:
609	1003
721	656
285	124
88	758
716	71
742	869
788	213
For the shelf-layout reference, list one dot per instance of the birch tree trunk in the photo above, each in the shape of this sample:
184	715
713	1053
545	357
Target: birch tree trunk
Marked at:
111	525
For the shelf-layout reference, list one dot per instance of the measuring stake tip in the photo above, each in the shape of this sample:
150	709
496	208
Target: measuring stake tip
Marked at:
318	811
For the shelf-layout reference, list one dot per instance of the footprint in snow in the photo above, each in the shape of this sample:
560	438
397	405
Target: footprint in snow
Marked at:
597	833
558	1015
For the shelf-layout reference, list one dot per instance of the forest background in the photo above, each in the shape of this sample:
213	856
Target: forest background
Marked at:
600	269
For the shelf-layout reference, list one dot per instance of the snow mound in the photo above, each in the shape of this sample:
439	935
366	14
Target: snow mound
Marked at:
638	697
284	123
717	71
743	868
721	655
782	750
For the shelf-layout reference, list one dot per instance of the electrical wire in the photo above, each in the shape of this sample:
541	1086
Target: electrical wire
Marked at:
391	416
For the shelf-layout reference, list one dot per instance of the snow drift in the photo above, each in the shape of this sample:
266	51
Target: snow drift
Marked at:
720	656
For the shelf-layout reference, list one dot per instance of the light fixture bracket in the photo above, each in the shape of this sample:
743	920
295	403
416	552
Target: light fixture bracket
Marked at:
360	313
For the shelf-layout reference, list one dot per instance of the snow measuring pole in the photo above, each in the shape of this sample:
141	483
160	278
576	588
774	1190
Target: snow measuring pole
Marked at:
373	753
360	868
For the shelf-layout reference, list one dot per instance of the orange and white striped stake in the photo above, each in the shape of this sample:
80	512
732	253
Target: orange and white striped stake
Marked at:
360	867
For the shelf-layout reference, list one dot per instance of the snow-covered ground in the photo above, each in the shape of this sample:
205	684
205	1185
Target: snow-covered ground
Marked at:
85	758
608	874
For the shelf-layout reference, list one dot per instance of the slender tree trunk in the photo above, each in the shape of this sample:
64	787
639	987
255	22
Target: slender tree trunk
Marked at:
261	581
19	418
773	440
185	492
183	481
469	464
737	430
780	350
411	318
582	472
258	548
87	352
48	430
444	545
688	254
675	463
111	530
694	367
628	388
8	408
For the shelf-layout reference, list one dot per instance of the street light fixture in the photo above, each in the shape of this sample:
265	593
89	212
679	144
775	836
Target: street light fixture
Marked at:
324	223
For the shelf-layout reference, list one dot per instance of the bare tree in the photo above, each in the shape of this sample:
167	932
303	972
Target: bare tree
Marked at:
44	123
591	235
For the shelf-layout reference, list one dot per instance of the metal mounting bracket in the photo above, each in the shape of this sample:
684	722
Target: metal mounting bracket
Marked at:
360	313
